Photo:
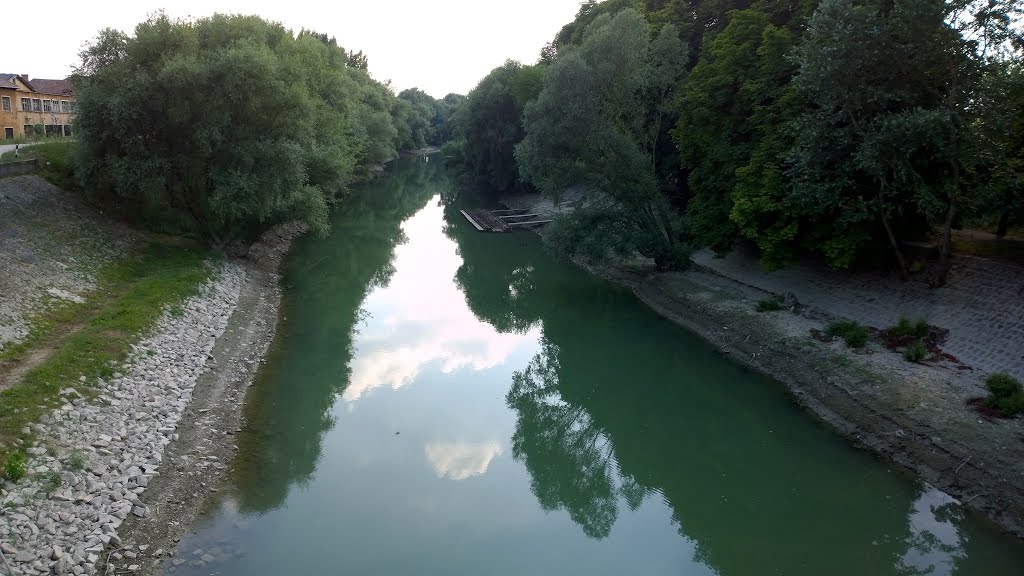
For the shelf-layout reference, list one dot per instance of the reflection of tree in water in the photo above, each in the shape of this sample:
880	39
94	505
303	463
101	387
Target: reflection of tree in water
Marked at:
936	545
288	410
569	458
617	406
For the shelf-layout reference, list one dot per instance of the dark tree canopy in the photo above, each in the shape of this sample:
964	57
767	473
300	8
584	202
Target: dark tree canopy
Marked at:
841	129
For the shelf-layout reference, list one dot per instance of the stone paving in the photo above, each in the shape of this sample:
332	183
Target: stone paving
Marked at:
982	303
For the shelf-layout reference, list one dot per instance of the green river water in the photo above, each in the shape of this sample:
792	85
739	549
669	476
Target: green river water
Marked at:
445	402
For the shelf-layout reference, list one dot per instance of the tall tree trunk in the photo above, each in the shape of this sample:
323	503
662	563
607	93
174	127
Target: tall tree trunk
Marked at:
946	246
1004	224
892	237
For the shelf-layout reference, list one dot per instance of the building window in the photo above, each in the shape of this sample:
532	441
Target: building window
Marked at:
6	103
71	106
65	106
29	130
36	105
46	106
67	130
26	105
8	133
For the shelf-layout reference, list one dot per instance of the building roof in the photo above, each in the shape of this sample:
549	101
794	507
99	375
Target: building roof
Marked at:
7	80
58	87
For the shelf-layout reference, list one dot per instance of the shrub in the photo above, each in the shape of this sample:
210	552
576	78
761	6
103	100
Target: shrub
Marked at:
1005	394
855	335
911	329
14	466
769	305
1002	385
916	352
77	461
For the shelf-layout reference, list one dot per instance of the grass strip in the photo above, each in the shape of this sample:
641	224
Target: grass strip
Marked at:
90	338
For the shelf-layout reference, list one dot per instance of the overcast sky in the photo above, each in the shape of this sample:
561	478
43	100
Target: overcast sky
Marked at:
440	46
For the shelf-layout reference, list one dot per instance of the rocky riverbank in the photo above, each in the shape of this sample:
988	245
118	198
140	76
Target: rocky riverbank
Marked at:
93	459
113	479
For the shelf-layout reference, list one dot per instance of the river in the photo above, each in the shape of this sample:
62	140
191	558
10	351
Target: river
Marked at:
445	402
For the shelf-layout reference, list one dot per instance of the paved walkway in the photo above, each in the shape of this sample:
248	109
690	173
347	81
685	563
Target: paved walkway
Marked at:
4	148
982	304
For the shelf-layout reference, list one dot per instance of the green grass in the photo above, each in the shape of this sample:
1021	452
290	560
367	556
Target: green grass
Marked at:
92	337
769	305
911	329
55	163
916	352
77	460
14	466
855	335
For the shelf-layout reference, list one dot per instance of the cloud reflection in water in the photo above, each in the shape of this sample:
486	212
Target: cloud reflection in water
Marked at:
421	316
461	460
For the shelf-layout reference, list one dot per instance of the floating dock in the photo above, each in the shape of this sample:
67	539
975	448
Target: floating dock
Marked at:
504	220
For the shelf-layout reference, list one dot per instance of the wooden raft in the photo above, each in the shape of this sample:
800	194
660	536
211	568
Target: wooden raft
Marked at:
504	220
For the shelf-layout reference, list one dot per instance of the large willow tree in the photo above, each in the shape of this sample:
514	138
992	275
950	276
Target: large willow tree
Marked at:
599	122
226	125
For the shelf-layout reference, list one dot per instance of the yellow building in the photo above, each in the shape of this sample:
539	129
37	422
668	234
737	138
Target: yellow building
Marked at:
35	107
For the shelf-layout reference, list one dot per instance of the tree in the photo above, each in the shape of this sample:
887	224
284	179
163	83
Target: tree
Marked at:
866	73
225	126
598	122
488	126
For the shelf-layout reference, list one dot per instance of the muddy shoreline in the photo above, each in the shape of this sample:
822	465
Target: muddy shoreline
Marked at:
198	461
825	385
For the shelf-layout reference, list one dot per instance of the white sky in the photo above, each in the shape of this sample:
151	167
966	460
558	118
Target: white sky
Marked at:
440	46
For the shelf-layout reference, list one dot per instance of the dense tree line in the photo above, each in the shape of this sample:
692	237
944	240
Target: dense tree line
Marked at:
842	128
225	126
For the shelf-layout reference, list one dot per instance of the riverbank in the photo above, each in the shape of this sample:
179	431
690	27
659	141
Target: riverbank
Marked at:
204	439
912	414
114	464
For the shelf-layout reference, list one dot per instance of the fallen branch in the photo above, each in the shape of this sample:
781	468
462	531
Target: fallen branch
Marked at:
972	498
962	464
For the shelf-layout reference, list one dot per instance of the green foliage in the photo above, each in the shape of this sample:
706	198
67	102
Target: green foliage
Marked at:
227	125
841	128
597	123
1005	394
488	126
916	352
51	481
14	466
77	460
715	133
910	328
56	163
769	305
1002	385
855	335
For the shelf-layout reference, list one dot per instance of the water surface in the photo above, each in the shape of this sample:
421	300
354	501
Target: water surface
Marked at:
446	402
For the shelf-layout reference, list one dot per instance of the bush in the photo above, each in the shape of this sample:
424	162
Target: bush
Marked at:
916	352
1005	394
855	335
911	329
77	460
769	305
14	466
1002	385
